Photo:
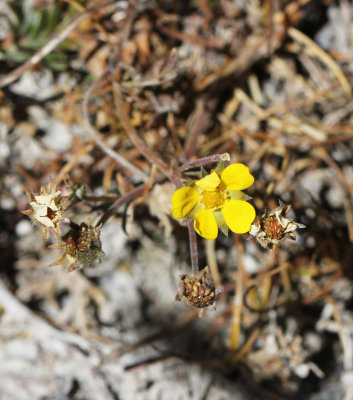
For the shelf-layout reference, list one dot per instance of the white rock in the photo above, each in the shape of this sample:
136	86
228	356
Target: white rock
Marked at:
58	137
24	227
23	349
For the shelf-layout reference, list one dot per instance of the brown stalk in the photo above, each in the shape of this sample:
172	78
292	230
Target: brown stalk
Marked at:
135	139
237	307
136	172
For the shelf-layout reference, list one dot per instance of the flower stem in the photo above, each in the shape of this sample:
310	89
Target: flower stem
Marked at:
137	191
193	247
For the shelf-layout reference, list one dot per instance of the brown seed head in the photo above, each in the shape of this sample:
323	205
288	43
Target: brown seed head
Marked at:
273	227
197	289
82	246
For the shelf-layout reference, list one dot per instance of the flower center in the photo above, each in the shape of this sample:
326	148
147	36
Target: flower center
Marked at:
213	199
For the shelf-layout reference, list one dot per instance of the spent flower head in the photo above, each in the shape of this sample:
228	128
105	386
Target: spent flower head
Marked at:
197	289
82	246
216	201
273	227
47	209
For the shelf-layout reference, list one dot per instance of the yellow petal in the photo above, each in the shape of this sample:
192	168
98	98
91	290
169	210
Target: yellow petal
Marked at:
209	182
238	215
237	177
205	224
183	201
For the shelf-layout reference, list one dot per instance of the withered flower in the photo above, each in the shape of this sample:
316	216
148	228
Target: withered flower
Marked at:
82	246
272	227
47	209
197	289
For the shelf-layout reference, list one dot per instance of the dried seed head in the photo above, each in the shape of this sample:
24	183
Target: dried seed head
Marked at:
197	289
272	227
47	210
82	245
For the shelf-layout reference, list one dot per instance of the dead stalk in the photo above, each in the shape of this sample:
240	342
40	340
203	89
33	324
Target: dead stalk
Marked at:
237	306
136	172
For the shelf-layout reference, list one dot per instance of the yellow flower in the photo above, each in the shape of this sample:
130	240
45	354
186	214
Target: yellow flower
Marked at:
217	201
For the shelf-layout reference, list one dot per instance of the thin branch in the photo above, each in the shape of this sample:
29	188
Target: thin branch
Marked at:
205	160
111	153
135	139
132	194
199	121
